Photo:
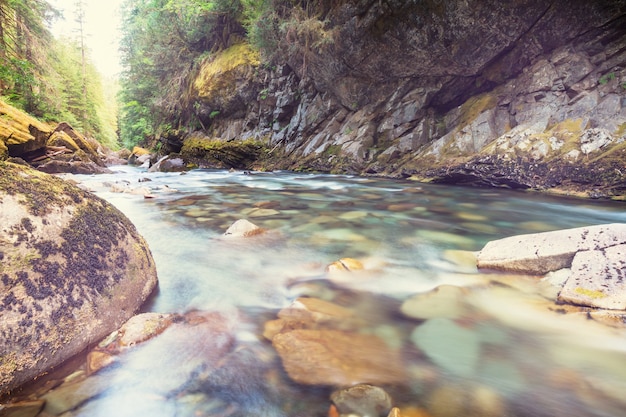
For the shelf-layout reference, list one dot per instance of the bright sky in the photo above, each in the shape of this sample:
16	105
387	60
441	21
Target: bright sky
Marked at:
102	27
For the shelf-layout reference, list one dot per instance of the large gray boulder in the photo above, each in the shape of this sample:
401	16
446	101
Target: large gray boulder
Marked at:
593	259
540	253
73	269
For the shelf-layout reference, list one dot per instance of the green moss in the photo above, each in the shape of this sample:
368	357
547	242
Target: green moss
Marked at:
33	187
220	72
473	107
233	154
621	130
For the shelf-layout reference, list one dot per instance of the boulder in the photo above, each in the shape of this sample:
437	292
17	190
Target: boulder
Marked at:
336	358
540	253
597	279
73	270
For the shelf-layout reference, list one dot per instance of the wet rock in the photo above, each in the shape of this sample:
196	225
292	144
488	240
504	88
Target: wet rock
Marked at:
598	279
243	228
445	301
331	357
362	400
540	253
317	311
74	269
21	409
345	265
142	327
449	345
97	360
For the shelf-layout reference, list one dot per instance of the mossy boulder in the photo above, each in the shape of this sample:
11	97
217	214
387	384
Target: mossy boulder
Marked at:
215	153
20	133
225	82
73	269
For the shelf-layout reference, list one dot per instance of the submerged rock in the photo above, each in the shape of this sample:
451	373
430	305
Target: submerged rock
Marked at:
362	400
73	270
331	357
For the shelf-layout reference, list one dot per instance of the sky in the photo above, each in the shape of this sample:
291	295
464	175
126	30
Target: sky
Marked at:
102	26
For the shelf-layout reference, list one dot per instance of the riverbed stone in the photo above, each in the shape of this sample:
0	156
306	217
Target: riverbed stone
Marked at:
337	358
444	301
598	279
73	270
540	253
362	400
22	409
243	228
449	345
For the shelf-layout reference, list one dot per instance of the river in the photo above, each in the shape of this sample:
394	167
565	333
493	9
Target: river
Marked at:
502	349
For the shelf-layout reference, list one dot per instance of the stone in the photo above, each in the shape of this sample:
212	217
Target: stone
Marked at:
345	265
74	268
318	312
362	400
593	140
143	327
243	228
444	301
597	279
540	253
97	360
331	357
450	346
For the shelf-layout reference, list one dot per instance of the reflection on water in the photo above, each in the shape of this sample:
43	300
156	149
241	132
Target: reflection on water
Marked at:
491	346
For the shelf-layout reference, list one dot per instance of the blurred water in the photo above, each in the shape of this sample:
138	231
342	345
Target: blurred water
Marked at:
404	233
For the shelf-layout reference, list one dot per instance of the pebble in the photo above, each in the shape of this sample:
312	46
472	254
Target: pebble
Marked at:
243	228
363	400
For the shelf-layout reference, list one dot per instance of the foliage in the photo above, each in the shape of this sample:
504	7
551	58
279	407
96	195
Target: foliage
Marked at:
162	46
165	41
49	78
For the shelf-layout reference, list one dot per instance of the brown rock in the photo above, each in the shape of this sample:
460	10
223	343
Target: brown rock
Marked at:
331	357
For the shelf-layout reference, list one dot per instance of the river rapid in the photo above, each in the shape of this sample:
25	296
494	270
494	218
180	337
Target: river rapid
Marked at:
510	351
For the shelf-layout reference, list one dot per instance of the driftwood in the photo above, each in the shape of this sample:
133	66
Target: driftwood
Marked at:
50	151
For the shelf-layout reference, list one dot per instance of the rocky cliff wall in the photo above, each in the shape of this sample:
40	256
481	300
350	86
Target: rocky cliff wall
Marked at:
523	94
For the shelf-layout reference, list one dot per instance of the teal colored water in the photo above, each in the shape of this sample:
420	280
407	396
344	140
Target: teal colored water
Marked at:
411	238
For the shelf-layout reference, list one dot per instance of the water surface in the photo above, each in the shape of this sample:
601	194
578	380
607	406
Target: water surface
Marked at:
410	238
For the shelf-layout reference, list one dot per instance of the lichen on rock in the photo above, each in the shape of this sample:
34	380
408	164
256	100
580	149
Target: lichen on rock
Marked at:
71	272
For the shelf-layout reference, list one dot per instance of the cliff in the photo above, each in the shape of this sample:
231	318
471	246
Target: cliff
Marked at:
523	94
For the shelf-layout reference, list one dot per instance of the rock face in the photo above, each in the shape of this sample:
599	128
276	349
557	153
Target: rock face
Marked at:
593	256
521	95
50	149
73	270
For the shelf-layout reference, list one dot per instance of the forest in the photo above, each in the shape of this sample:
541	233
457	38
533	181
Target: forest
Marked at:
53	79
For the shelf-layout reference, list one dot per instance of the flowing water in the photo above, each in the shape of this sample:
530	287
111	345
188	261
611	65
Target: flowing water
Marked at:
509	352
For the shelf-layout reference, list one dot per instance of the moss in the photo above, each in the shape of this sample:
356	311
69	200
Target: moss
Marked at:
220	72
39	187
233	154
621	130
473	107
590	293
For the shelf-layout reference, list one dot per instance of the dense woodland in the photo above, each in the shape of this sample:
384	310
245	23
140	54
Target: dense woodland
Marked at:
52	79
